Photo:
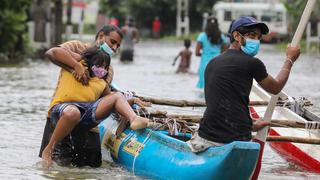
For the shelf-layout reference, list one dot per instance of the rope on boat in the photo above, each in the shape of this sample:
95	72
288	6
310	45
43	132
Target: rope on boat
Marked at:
143	143
173	125
147	115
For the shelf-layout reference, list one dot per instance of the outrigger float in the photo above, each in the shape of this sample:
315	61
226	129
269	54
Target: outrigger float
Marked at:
306	156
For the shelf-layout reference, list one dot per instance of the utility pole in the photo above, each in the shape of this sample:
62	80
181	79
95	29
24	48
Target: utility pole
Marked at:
182	17
69	23
58	13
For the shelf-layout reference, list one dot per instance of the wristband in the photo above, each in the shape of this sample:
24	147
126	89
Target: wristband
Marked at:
288	59
283	69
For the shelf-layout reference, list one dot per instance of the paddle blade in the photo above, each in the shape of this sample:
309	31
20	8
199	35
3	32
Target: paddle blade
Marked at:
259	161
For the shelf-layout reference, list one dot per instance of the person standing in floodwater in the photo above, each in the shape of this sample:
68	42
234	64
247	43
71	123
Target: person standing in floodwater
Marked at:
156	26
229	79
185	59
210	43
131	36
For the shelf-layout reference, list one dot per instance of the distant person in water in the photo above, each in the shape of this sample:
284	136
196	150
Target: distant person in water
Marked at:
156	27
130	37
210	44
185	58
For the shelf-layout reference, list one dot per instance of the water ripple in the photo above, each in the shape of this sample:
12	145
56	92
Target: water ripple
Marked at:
25	94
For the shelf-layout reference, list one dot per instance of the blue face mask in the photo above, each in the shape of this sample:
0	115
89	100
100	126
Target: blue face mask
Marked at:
251	47
106	49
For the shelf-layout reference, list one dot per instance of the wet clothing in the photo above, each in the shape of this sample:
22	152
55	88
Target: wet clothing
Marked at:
81	147
185	61
228	82
87	109
72	148
209	51
126	55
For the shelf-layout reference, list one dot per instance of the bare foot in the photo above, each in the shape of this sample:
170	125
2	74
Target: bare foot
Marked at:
122	126
46	158
139	123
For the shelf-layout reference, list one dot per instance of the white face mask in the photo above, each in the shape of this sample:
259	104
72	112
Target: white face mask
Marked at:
106	48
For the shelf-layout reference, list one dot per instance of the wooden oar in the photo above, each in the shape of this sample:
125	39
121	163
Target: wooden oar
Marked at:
293	139
172	102
189	103
262	134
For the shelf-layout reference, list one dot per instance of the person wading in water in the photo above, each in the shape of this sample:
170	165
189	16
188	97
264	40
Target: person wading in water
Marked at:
130	37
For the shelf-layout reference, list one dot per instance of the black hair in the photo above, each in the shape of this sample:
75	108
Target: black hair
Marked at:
212	30
243	30
95	56
107	29
130	22
187	43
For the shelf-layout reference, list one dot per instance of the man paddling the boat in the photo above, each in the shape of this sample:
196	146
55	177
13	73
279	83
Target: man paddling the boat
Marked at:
228	82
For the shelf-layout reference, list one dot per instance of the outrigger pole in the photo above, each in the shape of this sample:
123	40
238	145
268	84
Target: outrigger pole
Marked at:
263	133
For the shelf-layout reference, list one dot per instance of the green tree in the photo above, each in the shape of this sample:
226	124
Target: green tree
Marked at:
295	9
58	24
13	16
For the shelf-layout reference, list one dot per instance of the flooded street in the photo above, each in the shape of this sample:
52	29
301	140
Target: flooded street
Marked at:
25	94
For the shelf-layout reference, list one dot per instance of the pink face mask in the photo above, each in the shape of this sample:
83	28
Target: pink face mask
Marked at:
99	72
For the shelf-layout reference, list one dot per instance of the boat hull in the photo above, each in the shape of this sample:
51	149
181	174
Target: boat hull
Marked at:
293	154
156	155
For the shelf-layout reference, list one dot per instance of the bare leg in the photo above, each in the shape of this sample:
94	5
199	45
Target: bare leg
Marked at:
69	119
118	102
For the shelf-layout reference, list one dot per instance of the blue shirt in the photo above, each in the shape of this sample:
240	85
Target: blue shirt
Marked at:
210	50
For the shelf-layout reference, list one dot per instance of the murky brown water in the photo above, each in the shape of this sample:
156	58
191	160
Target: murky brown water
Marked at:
25	93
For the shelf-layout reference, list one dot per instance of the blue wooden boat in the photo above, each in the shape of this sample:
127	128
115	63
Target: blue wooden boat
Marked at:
157	155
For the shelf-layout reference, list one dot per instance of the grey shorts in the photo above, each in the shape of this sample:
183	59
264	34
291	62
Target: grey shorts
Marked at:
81	147
87	109
199	144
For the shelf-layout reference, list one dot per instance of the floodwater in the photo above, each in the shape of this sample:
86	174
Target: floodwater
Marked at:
25	94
